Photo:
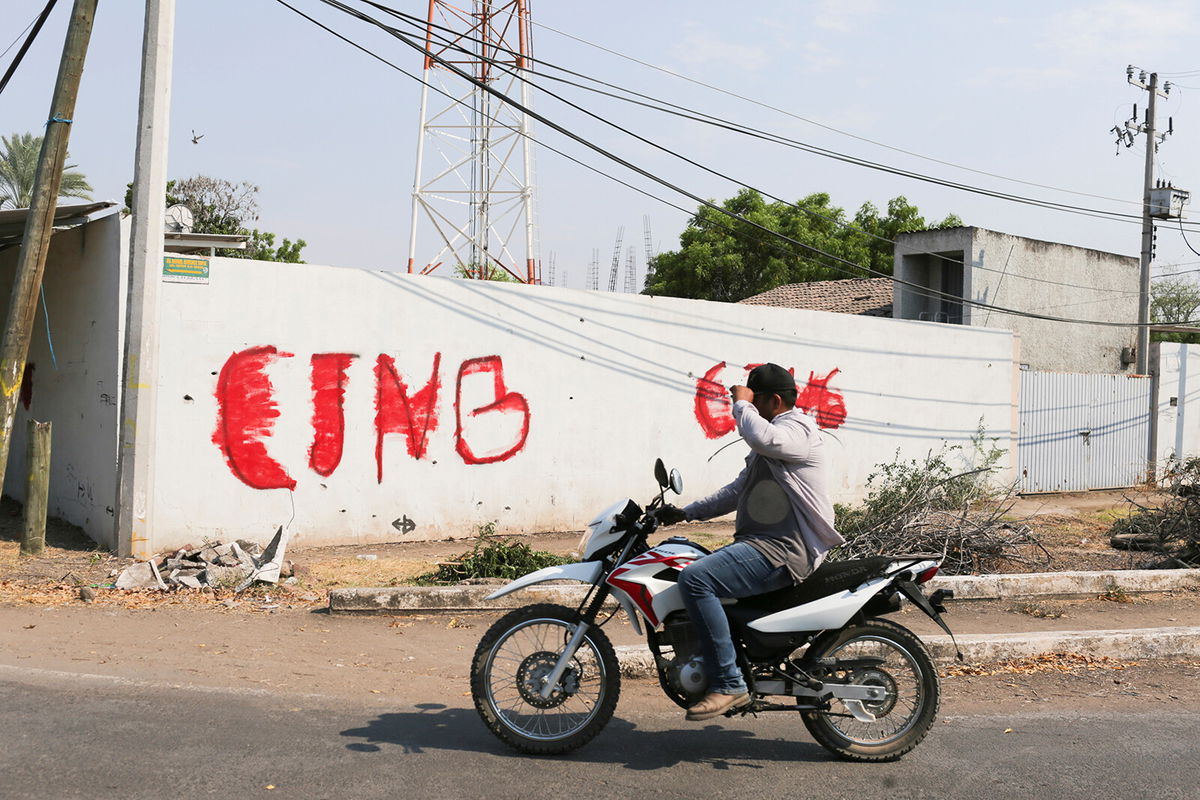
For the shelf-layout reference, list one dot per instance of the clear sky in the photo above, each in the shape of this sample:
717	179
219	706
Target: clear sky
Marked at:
1028	90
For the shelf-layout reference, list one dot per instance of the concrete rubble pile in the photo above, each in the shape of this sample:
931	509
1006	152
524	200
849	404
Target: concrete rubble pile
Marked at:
235	565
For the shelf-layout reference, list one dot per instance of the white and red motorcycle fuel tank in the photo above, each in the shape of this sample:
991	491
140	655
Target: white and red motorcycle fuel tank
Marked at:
650	579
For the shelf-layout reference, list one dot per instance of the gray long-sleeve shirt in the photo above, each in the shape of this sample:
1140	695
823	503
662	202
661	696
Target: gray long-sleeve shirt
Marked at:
781	496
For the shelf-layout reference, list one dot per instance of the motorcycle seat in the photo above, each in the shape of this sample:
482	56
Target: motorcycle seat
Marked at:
829	578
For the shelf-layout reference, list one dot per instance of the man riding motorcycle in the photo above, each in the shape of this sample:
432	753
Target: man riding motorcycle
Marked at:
784	524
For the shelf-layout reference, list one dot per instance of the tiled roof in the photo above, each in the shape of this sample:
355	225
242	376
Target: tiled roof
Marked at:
869	296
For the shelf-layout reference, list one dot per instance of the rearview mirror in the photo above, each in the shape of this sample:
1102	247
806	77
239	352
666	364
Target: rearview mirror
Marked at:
660	473
676	482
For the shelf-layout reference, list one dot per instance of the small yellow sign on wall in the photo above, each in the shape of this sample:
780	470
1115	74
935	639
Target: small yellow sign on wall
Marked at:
177	269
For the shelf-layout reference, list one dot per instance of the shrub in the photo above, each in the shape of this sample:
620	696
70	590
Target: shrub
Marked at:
491	557
1173	528
931	505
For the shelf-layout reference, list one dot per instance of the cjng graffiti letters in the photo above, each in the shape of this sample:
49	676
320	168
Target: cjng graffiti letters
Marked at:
399	411
492	421
246	412
329	417
713	407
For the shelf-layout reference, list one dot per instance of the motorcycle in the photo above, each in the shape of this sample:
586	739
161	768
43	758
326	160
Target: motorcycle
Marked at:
545	677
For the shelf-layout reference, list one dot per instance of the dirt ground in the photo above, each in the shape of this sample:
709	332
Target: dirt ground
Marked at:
1073	528
305	653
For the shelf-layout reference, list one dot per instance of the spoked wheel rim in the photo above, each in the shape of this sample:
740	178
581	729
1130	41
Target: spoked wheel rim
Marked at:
514	673
899	675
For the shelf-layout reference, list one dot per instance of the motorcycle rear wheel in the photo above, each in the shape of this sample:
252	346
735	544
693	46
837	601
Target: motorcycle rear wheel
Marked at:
520	649
903	718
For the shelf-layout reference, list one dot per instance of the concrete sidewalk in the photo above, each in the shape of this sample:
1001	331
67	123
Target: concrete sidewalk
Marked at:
982	603
464	598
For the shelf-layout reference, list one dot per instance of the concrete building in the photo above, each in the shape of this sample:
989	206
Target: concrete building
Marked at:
1024	275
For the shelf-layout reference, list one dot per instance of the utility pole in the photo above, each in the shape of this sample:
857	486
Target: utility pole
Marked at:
1132	128
39	224
139	411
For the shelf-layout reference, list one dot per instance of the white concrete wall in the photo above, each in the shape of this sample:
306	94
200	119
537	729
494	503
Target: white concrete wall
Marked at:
1178	401
1027	275
604	383
79	395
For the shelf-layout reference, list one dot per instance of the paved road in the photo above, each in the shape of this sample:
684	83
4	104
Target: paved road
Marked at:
68	735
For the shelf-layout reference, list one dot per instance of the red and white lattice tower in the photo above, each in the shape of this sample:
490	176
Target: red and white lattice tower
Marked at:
473	189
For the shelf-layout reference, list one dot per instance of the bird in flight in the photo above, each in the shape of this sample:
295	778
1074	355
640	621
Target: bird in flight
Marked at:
196	139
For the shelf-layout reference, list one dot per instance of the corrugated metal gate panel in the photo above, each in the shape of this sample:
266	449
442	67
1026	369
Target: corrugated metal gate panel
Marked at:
1080	432
1053	411
1120	431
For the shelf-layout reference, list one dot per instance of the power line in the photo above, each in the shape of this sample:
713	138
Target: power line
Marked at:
450	66
36	28
1185	240
19	35
681	111
579	139
830	128
720	123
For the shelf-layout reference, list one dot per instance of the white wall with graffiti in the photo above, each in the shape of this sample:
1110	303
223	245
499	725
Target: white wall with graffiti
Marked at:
359	406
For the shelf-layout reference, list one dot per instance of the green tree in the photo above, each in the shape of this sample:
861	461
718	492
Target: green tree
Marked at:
19	155
494	273
722	258
222	206
1175	300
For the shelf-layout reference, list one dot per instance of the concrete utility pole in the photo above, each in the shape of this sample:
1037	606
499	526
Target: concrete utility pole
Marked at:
1132	127
39	224
139	411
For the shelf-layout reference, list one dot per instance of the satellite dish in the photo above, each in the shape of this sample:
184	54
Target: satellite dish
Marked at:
179	219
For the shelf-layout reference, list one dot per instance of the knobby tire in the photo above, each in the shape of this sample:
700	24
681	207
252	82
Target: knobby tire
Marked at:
824	729
487	675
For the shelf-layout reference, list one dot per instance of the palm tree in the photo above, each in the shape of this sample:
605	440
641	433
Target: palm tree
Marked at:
18	165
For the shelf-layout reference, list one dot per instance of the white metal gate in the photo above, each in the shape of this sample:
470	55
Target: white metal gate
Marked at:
1081	432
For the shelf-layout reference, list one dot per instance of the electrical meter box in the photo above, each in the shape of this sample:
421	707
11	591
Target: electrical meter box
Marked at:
1167	202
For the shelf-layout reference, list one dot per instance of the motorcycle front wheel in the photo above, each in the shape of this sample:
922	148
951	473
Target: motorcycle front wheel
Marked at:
508	671
897	661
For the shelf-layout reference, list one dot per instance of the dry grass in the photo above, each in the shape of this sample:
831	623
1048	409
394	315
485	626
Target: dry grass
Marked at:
341	571
253	599
1071	663
1041	610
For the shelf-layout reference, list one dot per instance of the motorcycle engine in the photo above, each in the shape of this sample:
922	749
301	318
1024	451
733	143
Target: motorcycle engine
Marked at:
685	670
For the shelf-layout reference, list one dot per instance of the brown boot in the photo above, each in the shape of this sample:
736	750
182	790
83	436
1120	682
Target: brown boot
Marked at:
715	704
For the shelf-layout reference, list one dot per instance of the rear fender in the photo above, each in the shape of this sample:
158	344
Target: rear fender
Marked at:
831	611
582	571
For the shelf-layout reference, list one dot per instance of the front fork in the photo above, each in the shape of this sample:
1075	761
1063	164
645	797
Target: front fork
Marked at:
586	617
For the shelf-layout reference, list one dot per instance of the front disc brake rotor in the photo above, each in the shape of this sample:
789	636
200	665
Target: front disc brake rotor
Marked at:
876	677
531	677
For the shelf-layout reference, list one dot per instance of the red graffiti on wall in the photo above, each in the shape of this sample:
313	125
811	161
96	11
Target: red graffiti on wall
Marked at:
502	402
492	431
397	411
329	415
816	398
714	410
713	407
246	412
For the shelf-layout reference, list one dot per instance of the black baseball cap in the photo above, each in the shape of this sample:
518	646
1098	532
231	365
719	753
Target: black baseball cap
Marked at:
770	378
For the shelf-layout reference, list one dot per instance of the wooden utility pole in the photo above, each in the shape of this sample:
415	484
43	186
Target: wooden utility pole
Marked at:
37	492
39	224
139	403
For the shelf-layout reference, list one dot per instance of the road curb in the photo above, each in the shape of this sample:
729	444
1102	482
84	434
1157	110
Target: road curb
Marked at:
636	661
466	598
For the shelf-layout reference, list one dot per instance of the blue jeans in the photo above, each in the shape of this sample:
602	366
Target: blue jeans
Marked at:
738	570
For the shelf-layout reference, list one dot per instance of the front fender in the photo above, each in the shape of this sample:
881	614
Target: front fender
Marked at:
582	571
